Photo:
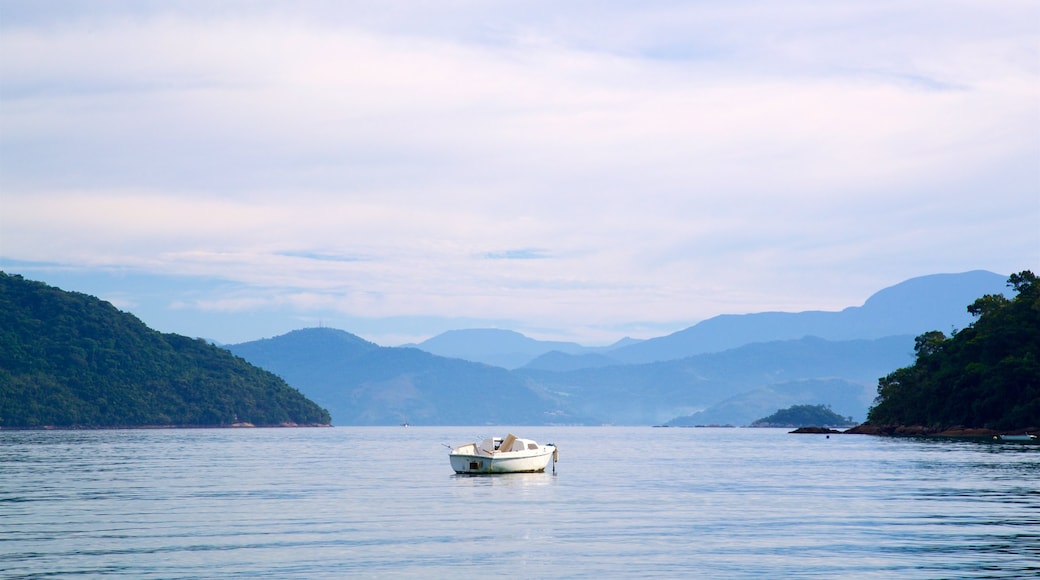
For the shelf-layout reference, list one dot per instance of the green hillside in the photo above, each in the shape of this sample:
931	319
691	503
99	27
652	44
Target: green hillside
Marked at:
70	360
984	376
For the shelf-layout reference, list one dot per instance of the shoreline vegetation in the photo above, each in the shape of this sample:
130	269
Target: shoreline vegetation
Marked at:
285	425
982	381
70	360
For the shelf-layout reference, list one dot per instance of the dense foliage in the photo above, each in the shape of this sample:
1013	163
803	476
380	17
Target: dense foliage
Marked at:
984	376
68	359
804	416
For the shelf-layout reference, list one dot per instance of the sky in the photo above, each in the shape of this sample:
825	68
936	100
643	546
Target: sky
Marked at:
578	171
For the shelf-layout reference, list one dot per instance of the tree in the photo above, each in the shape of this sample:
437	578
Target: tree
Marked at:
986	375
68	359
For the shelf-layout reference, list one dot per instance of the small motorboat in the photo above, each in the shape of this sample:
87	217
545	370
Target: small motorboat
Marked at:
1023	437
508	454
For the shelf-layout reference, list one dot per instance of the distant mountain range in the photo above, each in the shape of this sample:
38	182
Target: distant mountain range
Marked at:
505	348
729	369
362	383
660	392
935	302
69	359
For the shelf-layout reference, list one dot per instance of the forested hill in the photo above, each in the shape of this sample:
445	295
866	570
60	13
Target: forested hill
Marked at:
985	376
71	360
804	416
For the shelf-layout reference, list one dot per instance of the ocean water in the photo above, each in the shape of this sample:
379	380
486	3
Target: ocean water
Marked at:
624	503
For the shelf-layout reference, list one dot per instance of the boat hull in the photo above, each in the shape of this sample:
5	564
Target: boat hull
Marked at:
524	462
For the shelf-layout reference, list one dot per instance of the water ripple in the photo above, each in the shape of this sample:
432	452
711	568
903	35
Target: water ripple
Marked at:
379	502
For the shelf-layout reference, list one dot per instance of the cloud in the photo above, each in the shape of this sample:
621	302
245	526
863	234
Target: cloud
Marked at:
570	165
520	254
246	104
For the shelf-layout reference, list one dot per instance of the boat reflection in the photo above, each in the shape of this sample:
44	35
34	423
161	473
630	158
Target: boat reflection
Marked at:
505	479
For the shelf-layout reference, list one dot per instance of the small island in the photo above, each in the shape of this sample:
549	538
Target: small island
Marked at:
808	418
69	360
981	381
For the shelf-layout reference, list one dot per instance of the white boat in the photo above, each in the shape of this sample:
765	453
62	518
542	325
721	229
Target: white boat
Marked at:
1025	437
503	455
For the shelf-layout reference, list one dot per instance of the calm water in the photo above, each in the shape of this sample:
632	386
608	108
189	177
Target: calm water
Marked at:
624	502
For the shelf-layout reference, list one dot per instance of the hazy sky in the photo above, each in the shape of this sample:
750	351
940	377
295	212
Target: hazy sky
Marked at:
571	170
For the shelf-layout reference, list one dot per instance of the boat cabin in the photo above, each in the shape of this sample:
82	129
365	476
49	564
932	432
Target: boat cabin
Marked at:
508	443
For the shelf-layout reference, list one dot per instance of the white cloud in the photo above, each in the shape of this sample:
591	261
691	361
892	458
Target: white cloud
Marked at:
666	162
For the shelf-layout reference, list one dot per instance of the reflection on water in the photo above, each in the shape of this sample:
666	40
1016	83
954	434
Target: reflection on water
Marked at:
505	479
329	503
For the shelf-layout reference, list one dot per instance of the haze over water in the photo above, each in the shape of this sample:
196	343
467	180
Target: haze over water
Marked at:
624	502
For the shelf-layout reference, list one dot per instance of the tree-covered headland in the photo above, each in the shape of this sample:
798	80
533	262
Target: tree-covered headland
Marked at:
71	360
984	376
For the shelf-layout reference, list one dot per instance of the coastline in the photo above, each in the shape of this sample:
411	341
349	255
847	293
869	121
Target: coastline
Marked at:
922	431
284	425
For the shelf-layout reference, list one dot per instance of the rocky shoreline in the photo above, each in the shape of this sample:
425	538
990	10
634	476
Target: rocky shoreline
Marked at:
917	431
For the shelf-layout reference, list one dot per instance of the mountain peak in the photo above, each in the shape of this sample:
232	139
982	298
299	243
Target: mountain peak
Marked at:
313	344
933	302
493	346
944	290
